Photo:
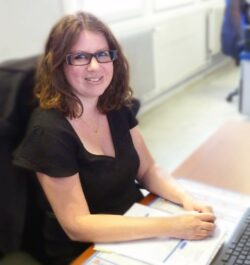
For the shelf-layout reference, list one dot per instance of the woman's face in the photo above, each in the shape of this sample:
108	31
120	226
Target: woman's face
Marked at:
91	80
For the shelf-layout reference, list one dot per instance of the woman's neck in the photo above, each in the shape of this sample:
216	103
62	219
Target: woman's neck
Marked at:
90	107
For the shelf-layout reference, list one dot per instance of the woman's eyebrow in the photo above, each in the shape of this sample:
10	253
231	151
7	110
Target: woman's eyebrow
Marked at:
82	51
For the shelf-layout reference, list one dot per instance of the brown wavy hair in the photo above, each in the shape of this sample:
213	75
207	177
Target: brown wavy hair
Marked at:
52	88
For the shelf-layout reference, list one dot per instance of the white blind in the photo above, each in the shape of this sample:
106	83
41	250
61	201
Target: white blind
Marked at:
164	4
113	9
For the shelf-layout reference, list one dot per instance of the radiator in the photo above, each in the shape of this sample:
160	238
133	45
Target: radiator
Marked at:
179	48
166	54
215	18
138	48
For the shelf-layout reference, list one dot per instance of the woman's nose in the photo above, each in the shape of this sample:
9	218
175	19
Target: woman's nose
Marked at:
93	63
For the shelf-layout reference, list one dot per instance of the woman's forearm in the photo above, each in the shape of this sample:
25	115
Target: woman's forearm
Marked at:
157	181
116	228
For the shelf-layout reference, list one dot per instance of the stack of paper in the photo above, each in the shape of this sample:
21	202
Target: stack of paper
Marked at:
161	251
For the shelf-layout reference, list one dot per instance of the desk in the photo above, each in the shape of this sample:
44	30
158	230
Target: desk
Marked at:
223	160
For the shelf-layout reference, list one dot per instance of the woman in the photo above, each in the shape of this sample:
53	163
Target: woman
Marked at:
87	151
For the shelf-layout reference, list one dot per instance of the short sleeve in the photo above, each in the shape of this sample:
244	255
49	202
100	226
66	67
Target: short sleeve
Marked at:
132	121
48	153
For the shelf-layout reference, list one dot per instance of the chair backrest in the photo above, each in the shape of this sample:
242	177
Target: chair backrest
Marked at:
236	18
231	29
245	12
16	104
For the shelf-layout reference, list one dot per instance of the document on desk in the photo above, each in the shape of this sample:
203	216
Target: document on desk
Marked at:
159	251
228	206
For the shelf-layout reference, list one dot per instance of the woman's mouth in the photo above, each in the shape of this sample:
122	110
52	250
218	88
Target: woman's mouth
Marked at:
94	79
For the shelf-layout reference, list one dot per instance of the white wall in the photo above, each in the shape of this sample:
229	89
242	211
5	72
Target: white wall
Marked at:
166	41
24	26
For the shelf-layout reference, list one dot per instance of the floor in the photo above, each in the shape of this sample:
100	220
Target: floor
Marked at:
176	127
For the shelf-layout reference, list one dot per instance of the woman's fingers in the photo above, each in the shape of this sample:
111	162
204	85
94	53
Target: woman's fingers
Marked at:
194	226
207	217
208	226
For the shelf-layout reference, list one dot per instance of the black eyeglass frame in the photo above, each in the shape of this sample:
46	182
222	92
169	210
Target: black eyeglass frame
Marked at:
112	53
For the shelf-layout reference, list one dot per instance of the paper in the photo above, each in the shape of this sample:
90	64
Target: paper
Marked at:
228	206
165	250
102	258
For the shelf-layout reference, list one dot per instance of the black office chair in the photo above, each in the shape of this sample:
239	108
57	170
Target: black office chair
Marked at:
19	222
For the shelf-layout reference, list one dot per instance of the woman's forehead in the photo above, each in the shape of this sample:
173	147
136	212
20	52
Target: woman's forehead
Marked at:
90	41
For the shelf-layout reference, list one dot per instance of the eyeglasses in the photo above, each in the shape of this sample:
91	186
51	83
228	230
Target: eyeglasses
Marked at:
84	58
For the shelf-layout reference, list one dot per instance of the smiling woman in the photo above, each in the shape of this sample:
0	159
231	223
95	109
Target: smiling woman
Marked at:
86	149
90	51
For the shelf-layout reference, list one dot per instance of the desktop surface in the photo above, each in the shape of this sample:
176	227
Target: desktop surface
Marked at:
222	160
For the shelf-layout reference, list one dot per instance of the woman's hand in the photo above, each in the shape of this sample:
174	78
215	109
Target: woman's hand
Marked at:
192	225
191	204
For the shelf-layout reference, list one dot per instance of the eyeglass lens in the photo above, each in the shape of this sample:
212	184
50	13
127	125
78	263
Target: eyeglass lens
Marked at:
84	58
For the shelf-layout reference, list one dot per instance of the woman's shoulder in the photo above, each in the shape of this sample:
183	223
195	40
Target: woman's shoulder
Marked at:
124	116
49	119
48	139
123	110
46	117
51	126
50	122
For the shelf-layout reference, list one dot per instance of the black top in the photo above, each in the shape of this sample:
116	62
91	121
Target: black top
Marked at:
51	146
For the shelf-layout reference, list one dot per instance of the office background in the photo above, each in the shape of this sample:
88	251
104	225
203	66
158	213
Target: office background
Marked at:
167	42
178	71
173	46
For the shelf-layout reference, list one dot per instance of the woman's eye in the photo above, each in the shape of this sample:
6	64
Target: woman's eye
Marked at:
103	54
80	56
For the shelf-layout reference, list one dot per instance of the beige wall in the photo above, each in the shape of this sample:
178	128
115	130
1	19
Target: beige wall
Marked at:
24	25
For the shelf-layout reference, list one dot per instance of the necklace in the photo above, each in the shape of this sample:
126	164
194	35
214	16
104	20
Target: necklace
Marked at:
94	129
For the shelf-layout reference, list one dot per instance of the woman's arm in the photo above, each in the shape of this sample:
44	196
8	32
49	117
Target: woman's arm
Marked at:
70	207
159	182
